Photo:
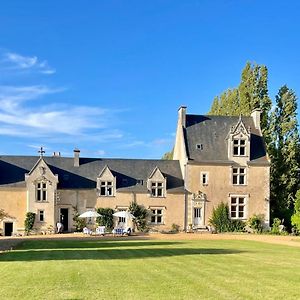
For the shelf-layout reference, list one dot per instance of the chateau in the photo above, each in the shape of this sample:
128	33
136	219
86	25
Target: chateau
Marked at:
216	159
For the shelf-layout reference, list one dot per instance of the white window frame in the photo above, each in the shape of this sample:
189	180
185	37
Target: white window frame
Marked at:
202	176
236	173
41	191
107	185
239	146
155	186
155	215
41	212
238	204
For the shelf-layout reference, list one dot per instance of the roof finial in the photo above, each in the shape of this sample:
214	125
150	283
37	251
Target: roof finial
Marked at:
41	151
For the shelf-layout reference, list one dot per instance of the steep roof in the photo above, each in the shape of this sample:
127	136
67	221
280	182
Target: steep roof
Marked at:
212	133
127	172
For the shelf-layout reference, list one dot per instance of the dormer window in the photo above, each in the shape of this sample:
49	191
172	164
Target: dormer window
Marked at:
41	191
239	147
106	188
157	189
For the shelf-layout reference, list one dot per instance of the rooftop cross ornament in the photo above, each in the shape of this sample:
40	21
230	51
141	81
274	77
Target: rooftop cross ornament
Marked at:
41	151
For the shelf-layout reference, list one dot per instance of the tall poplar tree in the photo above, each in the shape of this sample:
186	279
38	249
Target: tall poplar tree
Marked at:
284	152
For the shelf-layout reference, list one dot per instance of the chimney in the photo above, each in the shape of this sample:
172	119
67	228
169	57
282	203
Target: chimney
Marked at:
256	117
56	154
182	116
76	157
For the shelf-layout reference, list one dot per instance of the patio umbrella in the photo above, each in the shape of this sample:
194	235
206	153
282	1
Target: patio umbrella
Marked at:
124	214
90	214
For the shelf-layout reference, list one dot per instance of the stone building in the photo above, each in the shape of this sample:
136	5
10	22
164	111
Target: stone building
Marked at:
215	159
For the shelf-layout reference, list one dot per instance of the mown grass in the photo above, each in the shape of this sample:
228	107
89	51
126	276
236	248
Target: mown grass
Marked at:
150	269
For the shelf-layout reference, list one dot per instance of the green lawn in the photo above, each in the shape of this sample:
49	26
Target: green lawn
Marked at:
150	269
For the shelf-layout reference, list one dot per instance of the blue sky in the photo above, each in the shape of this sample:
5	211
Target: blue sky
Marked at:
108	77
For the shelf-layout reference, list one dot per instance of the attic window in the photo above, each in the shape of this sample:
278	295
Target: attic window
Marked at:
239	147
199	146
139	182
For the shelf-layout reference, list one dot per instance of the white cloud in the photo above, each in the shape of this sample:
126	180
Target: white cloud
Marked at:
19	117
16	61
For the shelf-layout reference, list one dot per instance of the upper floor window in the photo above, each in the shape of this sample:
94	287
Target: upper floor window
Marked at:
157	189
204	178
106	188
239	176
239	147
41	191
156	216
238	207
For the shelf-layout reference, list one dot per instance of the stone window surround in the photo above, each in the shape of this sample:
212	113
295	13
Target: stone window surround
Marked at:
157	213
204	177
106	188
157	189
41	191
238	145
41	215
238	204
236	173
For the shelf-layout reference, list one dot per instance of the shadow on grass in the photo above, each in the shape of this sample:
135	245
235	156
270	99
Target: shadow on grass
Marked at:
58	244
108	254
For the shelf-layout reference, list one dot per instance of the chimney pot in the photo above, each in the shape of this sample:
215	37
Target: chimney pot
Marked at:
76	157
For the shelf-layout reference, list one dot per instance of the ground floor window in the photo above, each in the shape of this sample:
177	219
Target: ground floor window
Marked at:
238	207
41	215
157	216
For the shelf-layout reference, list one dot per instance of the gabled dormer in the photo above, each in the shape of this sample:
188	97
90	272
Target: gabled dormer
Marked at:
157	183
106	183
239	142
41	183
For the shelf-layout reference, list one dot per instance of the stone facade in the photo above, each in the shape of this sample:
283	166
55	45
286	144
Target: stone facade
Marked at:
216	159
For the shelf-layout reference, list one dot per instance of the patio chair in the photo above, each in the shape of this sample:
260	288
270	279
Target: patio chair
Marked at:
87	230
100	230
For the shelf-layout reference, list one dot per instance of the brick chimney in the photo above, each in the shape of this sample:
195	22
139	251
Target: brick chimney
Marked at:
76	157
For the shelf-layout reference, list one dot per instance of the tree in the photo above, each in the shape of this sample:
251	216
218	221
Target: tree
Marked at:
168	155
3	214
80	223
107	217
140	213
29	222
284	152
295	220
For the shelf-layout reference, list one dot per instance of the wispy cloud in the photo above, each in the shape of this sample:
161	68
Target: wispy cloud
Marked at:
21	114
15	61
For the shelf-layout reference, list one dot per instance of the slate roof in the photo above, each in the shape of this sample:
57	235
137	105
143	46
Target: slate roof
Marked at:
212	133
127	172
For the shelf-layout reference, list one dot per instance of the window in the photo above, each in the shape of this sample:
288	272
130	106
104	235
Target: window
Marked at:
41	191
106	188
239	176
139	181
157	216
239	147
157	189
199	146
204	178
238	207
41	215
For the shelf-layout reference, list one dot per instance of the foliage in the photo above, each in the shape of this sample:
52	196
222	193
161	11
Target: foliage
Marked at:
29	221
236	226
168	155
284	153
220	218
79	223
256	223
276	226
175	228
141	215
295	220
107	217
3	214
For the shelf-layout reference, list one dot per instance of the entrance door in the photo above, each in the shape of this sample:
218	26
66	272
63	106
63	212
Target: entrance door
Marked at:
197	216
8	228
64	218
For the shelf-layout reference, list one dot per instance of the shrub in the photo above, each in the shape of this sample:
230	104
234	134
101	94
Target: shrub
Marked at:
29	222
220	218
256	223
79	223
276	226
295	219
236	225
175	228
107	217
141	215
